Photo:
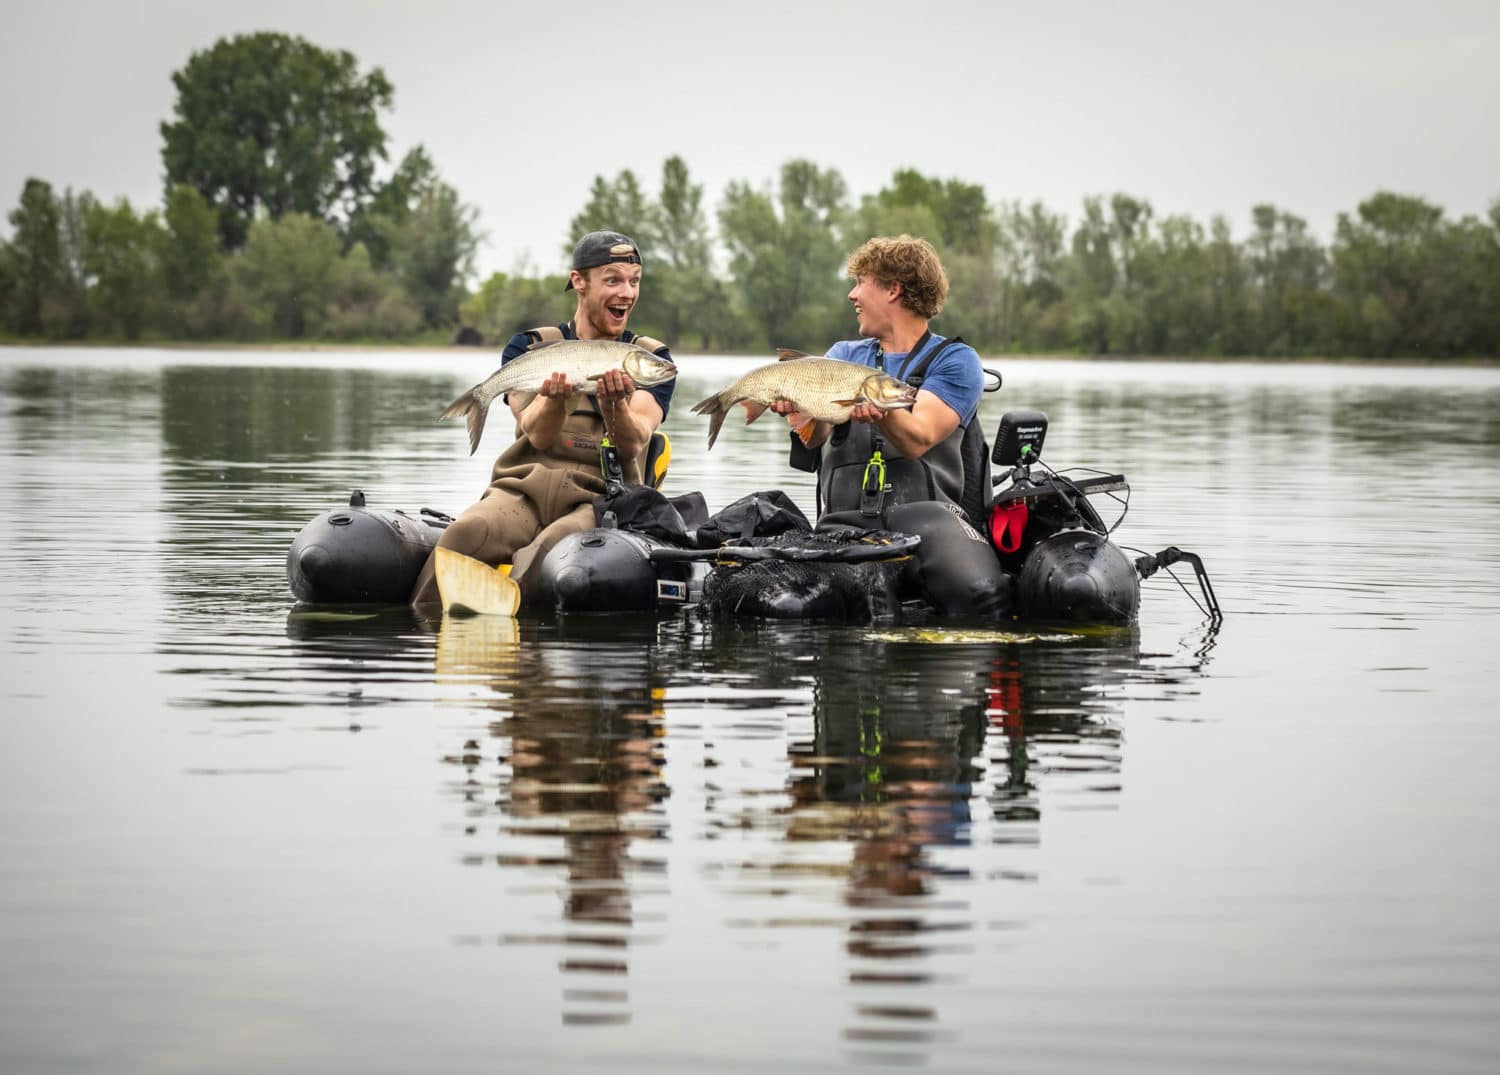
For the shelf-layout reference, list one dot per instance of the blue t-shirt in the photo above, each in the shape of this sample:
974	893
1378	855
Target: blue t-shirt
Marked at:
955	376
521	342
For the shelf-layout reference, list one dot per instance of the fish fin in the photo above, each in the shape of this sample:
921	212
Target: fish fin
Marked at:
753	410
467	406
715	421
459	406
787	354
805	429
855	402
715	408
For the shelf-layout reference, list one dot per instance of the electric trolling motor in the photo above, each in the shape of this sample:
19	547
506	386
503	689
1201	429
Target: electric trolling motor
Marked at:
1051	536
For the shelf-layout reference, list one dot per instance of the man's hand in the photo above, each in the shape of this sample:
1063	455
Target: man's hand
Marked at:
615	389
555	387
812	431
615	385
788	409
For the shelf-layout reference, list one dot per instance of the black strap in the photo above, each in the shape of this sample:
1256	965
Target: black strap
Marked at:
913	378
916	349
918	375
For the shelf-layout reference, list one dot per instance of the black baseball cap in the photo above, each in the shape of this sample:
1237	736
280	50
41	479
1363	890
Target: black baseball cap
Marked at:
603	248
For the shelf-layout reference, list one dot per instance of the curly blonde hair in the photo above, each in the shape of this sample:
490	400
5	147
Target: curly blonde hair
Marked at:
908	261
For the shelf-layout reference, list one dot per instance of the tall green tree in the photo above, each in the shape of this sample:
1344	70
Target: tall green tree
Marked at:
961	219
618	204
1107	275
432	251
269	124
189	257
1174	288
70	313
34	254
1092	280
8	284
681	283
1287	270
785	256
1384	261
1228	329
368	302
120	257
679	293
391	205
290	268
1008	293
1488	315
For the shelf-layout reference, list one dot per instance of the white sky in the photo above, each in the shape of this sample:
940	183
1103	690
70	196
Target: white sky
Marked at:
1199	107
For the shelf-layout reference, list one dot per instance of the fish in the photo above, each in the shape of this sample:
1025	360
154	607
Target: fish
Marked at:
584	362
822	389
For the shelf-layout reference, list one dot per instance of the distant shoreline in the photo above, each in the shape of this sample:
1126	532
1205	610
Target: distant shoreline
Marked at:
315	347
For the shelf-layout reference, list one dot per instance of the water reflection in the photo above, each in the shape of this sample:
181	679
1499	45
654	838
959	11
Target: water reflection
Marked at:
897	766
574	763
903	754
258	414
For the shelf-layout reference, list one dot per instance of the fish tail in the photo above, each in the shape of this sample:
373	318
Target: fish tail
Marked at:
473	413
715	408
715	422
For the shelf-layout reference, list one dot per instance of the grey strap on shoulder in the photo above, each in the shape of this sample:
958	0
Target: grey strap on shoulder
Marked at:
649	343
546	334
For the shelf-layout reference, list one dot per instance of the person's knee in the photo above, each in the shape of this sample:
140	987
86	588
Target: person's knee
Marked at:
468	534
957	568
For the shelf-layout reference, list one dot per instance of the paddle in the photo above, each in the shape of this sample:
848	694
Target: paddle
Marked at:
469	585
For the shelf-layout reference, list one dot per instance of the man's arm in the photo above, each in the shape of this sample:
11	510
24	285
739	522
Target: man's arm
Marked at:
913	432
541	418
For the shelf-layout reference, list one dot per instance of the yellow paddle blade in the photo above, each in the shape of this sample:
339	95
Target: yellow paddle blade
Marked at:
478	649
468	585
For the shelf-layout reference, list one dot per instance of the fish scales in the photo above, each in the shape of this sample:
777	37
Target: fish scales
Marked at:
582	362
822	389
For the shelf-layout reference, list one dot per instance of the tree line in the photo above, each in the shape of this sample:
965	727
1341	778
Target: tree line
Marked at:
275	225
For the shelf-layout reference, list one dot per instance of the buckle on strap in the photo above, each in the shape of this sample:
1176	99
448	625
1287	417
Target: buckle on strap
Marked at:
873	486
611	467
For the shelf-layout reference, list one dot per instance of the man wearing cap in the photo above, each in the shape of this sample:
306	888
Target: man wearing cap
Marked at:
543	486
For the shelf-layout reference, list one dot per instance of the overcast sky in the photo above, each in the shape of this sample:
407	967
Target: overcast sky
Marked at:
1199	107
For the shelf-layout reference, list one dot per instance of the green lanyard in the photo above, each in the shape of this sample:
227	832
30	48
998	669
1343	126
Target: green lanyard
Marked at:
873	486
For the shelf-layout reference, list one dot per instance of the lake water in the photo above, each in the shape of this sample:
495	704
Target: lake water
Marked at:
242	839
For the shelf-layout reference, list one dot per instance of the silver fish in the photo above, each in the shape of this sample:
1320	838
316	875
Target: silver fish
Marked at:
822	389
583	362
